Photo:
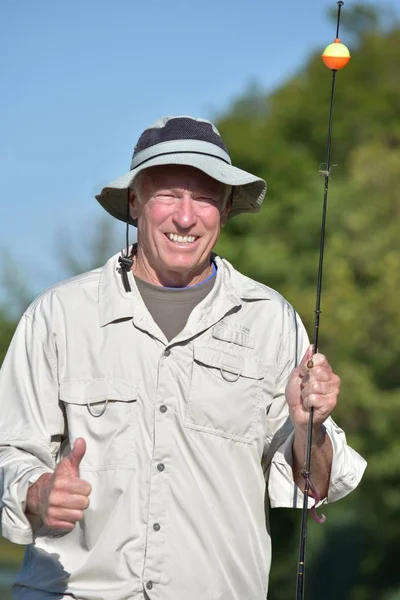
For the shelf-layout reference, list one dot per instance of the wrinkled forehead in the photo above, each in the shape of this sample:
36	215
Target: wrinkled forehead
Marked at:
180	177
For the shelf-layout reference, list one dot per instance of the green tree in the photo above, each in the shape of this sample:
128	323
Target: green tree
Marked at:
91	247
285	143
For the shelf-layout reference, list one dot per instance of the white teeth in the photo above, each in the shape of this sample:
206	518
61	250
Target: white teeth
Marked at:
181	239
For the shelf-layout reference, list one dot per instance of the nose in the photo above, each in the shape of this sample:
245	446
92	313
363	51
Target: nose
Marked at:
185	215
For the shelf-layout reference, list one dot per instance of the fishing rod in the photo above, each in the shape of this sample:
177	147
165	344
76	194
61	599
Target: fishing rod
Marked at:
335	57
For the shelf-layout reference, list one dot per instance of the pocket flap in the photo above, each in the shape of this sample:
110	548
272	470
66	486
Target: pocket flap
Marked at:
241	337
245	366
81	391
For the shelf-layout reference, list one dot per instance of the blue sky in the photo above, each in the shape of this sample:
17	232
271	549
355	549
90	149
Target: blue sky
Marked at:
81	79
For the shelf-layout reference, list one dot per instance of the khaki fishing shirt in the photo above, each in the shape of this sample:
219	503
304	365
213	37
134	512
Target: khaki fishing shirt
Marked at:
181	437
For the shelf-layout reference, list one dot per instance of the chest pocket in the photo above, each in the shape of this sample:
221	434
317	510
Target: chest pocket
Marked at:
224	395
102	412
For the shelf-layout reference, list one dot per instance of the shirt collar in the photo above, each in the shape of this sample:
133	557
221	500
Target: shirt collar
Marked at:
115	303
240	285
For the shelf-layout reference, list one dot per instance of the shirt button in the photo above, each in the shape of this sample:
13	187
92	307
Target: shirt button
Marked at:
161	467
149	585
167	352
156	527
163	408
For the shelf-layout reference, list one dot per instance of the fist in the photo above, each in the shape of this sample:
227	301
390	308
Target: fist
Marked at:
60	499
314	386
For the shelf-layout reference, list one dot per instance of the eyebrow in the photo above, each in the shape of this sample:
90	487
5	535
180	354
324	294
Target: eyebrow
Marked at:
159	189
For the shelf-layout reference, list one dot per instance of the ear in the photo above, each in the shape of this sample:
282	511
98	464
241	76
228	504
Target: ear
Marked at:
228	206
225	214
133	204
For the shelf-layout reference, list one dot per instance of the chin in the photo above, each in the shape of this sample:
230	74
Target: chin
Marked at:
181	261
180	267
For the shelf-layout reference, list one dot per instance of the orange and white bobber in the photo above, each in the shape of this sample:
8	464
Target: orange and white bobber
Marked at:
336	56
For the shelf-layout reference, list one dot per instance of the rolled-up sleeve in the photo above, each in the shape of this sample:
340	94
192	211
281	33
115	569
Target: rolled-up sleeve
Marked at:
347	465
347	469
28	415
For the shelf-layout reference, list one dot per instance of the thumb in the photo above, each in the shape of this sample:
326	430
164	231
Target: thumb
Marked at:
293	384
70	464
305	365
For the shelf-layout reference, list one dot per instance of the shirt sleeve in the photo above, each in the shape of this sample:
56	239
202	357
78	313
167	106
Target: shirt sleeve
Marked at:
347	469
347	465
30	420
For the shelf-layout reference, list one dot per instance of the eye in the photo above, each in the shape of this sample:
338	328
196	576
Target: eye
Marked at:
165	197
207	200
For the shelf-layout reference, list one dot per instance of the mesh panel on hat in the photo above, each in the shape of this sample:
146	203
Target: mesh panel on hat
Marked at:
179	128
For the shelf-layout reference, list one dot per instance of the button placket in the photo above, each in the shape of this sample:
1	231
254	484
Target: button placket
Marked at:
154	570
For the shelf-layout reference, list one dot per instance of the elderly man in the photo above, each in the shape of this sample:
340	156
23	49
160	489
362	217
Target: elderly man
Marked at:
145	405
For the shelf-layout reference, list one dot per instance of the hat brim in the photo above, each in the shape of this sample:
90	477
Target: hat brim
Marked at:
248	190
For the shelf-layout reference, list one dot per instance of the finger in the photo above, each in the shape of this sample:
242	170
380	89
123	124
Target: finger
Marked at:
324	382
320	360
65	526
73	501
315	387
323	403
302	368
69	466
58	513
72	485
77	453
318	374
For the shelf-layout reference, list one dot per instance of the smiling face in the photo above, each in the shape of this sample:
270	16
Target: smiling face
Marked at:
180	211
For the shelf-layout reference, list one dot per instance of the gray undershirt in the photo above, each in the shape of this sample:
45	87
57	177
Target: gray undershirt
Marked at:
171	307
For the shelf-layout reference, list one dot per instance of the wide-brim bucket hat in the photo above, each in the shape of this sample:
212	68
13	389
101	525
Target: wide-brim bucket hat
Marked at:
186	141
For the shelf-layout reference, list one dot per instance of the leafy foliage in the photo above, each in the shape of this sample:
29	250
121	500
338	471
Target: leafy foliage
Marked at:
360	322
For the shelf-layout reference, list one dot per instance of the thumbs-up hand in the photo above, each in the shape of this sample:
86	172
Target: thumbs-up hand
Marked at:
312	385
60	498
